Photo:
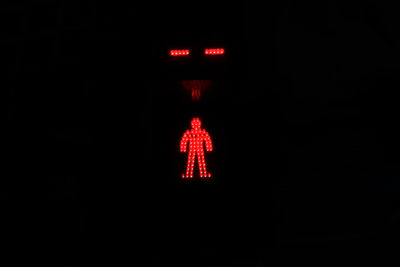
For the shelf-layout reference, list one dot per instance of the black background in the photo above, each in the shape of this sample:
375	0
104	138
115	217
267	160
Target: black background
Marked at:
303	116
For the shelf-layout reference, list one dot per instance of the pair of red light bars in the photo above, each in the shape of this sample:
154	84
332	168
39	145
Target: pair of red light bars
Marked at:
186	52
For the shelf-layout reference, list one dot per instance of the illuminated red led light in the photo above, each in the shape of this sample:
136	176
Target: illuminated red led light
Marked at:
197	138
214	51
180	52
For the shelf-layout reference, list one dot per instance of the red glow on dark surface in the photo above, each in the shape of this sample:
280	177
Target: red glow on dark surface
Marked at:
215	51
196	137
196	94
196	88
181	52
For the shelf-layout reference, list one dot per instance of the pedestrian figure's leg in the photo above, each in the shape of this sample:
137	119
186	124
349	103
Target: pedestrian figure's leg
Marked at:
188	165
192	159
203	172
200	158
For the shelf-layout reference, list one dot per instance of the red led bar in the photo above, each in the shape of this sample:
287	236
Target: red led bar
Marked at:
197	138
180	52
214	51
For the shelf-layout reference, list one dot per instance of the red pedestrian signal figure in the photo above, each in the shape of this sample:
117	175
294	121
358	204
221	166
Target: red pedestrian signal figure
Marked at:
196	137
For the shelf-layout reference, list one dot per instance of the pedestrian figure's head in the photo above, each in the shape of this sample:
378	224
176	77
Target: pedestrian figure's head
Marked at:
196	123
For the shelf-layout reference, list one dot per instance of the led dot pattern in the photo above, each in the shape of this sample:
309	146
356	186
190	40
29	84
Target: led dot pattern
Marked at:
181	52
196	138
214	51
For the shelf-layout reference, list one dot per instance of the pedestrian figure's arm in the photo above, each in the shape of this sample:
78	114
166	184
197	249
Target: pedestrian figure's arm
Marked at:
207	139
184	141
